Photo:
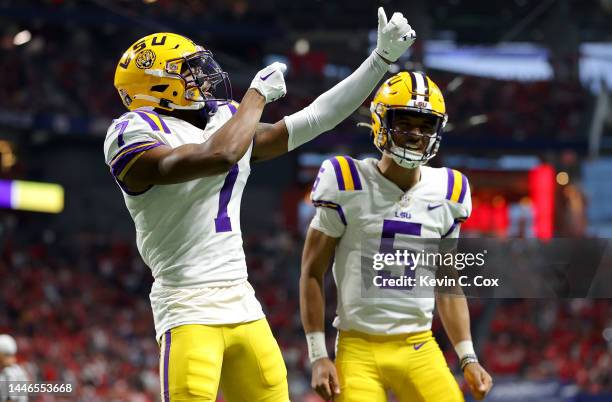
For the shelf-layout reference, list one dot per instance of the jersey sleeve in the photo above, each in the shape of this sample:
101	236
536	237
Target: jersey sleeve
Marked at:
459	197
326	197
4	395
129	137
233	106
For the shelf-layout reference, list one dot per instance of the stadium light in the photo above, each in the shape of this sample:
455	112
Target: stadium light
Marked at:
8	156
454	84
607	334
562	178
21	38
478	119
301	47
31	196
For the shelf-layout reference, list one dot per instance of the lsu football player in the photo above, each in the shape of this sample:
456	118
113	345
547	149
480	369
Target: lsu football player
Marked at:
182	156
385	343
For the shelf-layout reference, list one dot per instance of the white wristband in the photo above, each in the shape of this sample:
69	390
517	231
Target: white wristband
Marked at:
464	348
317	348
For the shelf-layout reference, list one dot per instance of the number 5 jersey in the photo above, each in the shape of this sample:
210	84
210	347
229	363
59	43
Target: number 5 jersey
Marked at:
357	204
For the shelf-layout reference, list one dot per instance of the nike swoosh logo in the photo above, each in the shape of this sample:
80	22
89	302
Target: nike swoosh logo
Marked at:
431	207
266	76
417	347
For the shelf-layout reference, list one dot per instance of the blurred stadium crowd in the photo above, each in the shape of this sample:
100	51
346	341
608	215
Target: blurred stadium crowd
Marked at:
76	299
50	76
79	309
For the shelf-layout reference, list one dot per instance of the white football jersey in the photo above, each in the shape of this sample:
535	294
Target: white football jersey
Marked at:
357	204
12	373
187	233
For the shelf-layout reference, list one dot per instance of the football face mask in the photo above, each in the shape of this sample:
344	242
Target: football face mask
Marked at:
412	137
204	79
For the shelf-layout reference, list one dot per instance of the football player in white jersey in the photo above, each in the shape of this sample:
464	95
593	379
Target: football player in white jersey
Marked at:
182	156
10	371
385	343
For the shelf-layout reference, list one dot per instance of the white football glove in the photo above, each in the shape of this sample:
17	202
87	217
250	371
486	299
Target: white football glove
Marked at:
270	82
394	37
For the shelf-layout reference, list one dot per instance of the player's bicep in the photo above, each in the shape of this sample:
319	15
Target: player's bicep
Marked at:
145	169
166	165
270	141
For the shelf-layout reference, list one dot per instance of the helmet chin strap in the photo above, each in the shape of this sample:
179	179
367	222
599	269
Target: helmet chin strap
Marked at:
193	106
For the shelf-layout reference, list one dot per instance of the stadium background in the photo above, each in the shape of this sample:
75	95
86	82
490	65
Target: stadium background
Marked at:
526	84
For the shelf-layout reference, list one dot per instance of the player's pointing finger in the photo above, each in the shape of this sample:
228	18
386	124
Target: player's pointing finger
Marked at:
382	18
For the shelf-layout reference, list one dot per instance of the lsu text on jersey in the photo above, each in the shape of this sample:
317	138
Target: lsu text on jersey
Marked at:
386	343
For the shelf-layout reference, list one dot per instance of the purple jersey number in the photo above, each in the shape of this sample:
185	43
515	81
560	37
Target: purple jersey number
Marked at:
121	126
390	229
222	221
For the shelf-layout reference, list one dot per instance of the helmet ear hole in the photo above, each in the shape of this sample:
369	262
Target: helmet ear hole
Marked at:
159	88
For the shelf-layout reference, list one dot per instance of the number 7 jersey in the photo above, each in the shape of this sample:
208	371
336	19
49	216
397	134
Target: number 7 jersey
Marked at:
187	233
360	206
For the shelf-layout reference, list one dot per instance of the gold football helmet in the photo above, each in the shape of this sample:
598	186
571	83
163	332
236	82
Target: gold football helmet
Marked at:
169	71
408	115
